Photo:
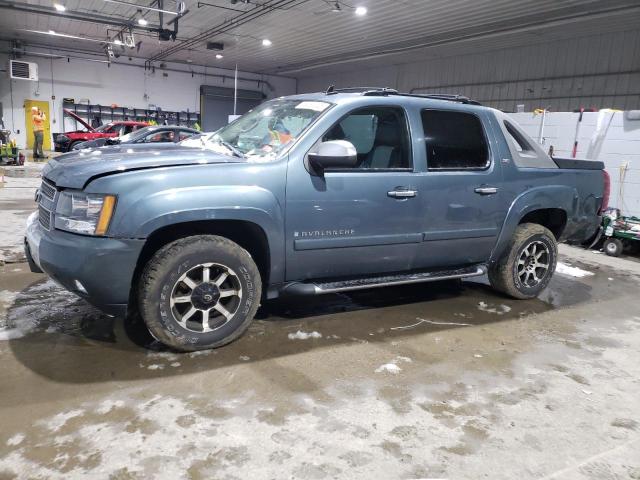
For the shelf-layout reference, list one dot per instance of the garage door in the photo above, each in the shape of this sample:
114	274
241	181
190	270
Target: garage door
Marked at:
216	104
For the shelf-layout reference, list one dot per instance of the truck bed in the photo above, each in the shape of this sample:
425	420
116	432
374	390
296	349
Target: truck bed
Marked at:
575	164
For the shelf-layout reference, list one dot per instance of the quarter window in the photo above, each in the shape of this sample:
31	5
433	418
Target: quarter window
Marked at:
379	135
454	141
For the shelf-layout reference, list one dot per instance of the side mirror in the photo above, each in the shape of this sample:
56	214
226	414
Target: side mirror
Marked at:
333	154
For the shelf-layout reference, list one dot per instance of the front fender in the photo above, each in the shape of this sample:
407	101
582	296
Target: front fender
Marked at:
206	203
538	198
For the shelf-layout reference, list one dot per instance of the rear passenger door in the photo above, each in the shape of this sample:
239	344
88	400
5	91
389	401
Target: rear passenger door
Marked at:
461	193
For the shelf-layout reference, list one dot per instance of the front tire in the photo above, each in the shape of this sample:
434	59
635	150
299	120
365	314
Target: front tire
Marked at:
613	247
528	263
199	292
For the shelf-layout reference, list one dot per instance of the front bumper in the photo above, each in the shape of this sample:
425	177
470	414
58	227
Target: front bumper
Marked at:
98	269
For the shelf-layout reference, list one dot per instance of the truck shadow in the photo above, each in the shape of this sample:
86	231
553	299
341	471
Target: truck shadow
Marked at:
65	340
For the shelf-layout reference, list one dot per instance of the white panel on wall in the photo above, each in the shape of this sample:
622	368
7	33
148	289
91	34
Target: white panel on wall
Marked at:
620	149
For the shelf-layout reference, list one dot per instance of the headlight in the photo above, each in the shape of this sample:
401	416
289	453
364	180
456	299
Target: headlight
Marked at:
86	213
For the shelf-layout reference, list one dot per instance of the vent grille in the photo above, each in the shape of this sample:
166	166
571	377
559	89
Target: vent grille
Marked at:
48	190
44	216
23	70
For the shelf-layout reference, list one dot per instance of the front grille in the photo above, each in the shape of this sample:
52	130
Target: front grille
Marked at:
48	190
44	216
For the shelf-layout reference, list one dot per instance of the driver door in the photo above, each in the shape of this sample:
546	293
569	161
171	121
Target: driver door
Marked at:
356	221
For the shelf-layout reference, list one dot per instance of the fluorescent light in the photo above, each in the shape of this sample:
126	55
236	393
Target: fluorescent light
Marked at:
59	7
142	21
74	37
219	56
361	11
266	42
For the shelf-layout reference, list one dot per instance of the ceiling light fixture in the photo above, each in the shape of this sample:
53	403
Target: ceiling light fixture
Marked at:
143	22
266	42
59	7
73	37
219	56
361	11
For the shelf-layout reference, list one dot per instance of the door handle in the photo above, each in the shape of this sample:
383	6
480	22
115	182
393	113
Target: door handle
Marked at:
402	193
486	190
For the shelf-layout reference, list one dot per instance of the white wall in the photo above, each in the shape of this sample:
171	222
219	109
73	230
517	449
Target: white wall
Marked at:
619	147
592	71
123	85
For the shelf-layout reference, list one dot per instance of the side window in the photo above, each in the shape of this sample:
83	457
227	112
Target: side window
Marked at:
128	129
454	141
380	136
184	135
516	139
159	137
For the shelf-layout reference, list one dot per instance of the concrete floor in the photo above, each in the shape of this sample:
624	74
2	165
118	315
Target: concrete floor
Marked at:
427	381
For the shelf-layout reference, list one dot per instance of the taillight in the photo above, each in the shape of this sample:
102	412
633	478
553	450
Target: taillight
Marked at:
606	192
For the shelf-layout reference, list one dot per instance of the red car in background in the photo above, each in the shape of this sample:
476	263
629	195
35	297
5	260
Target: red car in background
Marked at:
64	142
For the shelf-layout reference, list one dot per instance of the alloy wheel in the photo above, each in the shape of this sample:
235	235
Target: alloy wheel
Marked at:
533	263
206	297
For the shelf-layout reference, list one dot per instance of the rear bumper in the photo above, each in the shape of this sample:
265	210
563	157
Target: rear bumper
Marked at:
99	270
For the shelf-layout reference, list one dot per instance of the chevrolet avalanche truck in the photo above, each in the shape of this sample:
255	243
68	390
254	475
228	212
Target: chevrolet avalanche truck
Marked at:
307	195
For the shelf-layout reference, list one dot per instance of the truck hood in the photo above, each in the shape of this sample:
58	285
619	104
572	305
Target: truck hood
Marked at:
79	119
75	169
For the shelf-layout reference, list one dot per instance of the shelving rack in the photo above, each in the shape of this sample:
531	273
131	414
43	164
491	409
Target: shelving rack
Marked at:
110	114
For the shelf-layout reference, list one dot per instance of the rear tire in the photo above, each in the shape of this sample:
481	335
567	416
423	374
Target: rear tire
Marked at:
613	247
199	292
527	264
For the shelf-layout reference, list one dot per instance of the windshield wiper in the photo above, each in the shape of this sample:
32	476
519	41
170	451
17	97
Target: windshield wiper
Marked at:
231	148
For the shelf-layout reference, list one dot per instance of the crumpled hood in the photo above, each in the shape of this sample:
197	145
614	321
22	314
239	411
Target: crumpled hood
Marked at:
75	169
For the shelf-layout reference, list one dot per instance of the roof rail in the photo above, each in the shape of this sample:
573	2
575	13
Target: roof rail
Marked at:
332	90
384	91
451	97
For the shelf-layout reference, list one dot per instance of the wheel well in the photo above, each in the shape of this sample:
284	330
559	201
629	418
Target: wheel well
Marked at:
555	219
248	235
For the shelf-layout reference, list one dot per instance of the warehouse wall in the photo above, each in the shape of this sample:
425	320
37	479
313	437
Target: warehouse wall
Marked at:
123	85
563	75
618	145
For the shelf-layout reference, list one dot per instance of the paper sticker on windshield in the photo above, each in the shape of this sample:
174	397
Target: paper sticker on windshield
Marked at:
315	106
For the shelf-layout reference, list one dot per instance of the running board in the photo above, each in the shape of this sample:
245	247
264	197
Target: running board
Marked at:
319	288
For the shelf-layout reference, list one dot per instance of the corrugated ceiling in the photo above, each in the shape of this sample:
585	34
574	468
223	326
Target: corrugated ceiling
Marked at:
308	35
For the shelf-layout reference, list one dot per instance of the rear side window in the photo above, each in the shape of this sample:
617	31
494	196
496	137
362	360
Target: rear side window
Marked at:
454	141
518	141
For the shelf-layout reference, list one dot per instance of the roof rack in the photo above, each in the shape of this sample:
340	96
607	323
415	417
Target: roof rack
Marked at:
332	90
384	91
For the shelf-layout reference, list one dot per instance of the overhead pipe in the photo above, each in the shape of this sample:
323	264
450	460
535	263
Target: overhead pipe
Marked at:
259	11
72	15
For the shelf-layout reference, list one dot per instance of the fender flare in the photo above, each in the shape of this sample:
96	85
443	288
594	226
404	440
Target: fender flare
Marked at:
548	196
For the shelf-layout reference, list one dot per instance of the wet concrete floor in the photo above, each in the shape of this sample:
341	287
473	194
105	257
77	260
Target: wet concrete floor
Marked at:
445	380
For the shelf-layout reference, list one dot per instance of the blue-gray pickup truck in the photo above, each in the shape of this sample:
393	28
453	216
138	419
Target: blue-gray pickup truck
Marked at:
306	195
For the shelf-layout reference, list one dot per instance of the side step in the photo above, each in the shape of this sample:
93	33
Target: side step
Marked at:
319	288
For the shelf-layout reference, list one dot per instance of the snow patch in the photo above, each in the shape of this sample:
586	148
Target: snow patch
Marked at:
108	405
300	335
497	309
58	421
566	269
392	366
17	439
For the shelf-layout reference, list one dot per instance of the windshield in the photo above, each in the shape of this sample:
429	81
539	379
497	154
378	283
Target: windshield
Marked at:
135	135
104	128
267	131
